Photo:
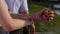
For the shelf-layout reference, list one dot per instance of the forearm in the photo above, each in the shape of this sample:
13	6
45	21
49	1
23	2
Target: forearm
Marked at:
18	24
22	16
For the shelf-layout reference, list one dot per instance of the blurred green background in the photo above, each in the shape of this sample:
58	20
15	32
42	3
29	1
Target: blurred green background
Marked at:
50	26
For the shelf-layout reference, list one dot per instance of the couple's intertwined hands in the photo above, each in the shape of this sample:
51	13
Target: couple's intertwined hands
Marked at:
44	15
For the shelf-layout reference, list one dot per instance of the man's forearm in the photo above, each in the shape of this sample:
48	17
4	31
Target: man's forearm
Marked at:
22	16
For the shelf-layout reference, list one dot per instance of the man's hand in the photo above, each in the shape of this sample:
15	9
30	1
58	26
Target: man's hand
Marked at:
44	15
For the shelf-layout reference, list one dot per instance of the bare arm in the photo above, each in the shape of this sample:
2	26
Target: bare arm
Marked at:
7	22
22	16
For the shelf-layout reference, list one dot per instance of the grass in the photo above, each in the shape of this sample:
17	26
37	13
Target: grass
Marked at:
50	26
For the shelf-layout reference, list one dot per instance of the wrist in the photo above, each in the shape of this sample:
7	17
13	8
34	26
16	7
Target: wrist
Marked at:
34	17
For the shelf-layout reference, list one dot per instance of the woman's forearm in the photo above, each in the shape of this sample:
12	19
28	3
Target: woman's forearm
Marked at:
18	24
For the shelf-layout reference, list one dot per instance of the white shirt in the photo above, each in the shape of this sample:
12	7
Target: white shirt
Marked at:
14	5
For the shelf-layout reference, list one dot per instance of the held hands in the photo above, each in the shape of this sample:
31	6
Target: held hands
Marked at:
44	15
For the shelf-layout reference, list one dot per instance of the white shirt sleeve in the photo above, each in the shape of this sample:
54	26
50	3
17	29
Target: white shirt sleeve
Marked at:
24	6
14	5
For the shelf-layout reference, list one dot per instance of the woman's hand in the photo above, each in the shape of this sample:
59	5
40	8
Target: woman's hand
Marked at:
44	15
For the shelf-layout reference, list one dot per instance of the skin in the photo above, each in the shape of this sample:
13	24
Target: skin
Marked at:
9	23
7	19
